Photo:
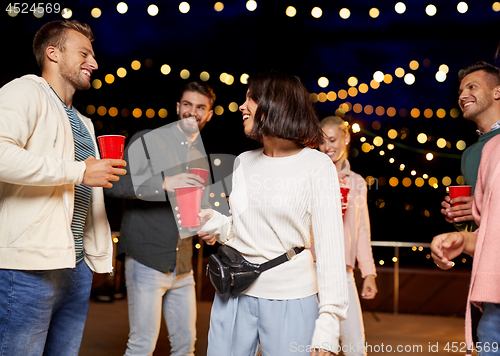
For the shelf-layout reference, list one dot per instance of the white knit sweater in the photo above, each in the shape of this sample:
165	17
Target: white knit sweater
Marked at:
278	203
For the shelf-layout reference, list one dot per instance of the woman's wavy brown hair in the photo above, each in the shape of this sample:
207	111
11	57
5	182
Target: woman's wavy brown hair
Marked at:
284	109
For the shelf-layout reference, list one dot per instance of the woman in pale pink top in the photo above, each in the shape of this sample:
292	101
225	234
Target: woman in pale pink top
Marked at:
356	234
484	245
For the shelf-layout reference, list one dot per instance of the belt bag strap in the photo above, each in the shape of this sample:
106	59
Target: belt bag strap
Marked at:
287	256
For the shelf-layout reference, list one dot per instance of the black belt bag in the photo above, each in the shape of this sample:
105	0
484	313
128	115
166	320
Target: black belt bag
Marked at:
231	273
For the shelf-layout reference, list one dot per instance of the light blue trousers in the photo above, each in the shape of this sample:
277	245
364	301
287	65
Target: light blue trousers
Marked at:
282	327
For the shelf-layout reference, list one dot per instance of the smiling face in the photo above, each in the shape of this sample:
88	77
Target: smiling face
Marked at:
248	109
77	61
193	111
476	95
335	145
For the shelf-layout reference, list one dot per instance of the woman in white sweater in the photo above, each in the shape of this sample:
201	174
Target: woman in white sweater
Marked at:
283	194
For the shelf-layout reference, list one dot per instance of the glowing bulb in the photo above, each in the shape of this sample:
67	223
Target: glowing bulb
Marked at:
66	13
462	7
184	7
345	13
122	8
316	12
251	5
96	12
378	76
440	76
422	138
374	12
218	6
352	81
153	10
400	7
165	69
323	82
409	79
291	11
430	10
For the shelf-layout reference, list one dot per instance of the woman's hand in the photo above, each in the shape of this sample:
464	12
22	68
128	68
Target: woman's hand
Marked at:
204	215
369	290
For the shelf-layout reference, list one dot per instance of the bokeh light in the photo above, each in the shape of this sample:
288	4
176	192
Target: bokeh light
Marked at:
374	12
218	6
251	5
65	13
165	69
204	76
316	12
400	7
378	76
323	82
96	12
409	79
462	7
153	10
122	7
291	11
121	72
399	72
184	7
431	10
422	138
136	65
185	74
345	13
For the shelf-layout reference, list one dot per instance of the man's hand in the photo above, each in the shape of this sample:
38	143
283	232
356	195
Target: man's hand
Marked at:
181	180
209	239
100	172
445	247
457	213
369	289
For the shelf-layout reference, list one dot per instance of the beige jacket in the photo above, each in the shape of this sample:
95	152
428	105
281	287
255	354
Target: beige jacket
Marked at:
37	178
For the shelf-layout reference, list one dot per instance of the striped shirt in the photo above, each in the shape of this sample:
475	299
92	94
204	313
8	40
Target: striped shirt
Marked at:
84	148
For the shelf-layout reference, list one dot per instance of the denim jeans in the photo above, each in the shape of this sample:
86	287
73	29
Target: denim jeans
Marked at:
149	292
43	312
488	330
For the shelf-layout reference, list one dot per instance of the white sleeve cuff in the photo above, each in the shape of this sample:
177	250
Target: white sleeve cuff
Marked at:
326	333
220	226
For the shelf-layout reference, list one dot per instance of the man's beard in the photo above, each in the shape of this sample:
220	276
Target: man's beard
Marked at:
74	78
189	127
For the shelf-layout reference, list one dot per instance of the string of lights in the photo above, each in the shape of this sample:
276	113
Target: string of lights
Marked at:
251	5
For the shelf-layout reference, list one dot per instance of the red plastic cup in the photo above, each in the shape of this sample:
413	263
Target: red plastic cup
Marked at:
111	146
189	203
202	173
344	195
456	191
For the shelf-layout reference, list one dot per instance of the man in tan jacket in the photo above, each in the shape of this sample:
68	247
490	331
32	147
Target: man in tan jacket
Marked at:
53	226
